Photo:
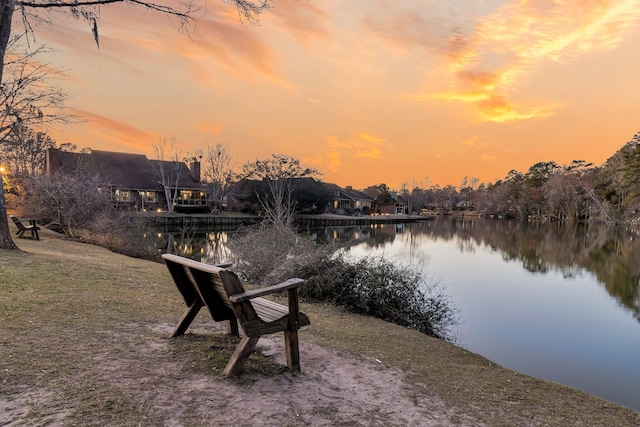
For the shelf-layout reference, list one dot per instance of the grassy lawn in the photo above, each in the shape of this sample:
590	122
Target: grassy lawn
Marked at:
84	341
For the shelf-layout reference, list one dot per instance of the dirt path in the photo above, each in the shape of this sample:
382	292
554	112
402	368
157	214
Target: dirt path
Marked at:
332	391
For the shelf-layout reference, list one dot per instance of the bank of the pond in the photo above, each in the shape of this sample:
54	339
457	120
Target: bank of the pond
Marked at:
85	342
229	220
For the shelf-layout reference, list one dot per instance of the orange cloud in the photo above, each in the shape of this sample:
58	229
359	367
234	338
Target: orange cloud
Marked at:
218	41
499	109
368	146
363	146
118	132
211	128
303	20
471	142
333	154
514	41
485	65
406	28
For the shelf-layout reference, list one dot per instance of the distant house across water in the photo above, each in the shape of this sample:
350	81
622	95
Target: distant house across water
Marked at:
392	204
349	201
133	181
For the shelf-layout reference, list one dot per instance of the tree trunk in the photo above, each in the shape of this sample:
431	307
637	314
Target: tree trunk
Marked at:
6	242
6	15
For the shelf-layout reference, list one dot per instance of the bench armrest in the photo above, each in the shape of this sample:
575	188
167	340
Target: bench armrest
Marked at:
223	265
289	284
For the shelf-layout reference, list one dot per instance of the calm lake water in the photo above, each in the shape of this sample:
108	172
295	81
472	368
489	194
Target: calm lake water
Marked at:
556	302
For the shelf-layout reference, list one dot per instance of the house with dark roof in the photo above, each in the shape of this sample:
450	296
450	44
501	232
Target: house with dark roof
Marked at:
133	181
386	202
349	201
311	196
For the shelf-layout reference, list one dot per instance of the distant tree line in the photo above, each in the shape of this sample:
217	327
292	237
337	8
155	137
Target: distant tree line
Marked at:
574	192
280	186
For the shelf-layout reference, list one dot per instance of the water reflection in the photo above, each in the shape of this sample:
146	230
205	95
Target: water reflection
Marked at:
532	296
610	253
209	247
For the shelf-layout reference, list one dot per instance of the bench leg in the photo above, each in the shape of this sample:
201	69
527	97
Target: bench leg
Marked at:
292	350
240	356
232	327
187	317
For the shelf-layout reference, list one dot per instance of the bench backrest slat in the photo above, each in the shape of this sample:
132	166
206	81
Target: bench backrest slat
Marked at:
194	280
183	281
211	289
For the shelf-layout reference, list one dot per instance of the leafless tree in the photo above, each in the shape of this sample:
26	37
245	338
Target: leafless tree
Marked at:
218	172
279	176
69	199
24	150
167	168
28	94
88	10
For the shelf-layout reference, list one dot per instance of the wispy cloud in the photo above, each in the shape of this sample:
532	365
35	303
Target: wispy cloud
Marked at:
487	64
362	145
212	128
471	142
304	20
119	133
513	42
218	41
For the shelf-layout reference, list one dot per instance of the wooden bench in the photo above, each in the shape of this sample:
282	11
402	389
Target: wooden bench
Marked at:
22	228
221	291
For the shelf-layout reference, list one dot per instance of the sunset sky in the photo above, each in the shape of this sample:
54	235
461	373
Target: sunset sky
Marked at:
410	91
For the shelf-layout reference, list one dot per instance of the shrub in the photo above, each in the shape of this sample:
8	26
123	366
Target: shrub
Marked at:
70	200
377	287
113	230
266	253
73	204
372	285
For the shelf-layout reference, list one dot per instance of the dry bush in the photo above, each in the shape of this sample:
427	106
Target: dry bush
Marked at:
372	285
113	230
73	204
266	254
72	201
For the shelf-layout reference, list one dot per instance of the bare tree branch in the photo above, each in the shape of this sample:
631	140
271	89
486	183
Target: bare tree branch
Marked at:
27	95
89	11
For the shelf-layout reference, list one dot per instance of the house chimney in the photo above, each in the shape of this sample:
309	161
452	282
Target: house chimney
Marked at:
194	169
348	187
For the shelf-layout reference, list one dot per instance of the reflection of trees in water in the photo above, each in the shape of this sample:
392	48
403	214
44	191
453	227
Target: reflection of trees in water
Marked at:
185	242
210	247
381	234
216	250
611	253
345	235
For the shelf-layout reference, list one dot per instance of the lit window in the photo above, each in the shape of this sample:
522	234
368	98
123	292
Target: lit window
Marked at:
150	196
189	197
122	195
